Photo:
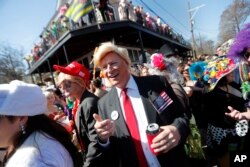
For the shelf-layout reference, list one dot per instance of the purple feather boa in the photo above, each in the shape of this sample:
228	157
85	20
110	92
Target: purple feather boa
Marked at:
241	43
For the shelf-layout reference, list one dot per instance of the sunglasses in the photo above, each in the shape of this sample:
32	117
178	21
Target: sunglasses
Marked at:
65	85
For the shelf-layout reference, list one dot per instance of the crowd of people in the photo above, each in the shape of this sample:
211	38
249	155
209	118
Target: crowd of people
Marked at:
195	110
103	12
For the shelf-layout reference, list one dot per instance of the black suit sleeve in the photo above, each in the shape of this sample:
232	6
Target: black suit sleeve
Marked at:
163	100
176	113
87	132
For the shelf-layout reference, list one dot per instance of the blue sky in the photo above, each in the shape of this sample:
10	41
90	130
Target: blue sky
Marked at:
176	14
23	20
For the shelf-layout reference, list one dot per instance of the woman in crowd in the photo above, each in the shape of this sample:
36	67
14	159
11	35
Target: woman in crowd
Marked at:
166	67
53	111
56	113
222	139
31	138
237	115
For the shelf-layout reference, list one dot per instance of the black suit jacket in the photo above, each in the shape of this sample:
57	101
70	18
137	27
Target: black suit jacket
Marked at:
85	125
121	150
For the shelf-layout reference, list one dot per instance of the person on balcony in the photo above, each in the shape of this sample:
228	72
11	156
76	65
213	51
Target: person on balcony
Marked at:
123	10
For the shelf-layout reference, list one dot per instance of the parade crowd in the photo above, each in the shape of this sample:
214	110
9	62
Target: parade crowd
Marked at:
165	112
160	113
103	12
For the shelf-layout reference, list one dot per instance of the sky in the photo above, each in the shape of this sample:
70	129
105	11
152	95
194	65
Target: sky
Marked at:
22	21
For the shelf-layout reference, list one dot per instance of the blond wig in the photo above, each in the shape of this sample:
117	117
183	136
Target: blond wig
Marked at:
106	48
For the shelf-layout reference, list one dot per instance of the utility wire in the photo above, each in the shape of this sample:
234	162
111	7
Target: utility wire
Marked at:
151	10
160	6
185	28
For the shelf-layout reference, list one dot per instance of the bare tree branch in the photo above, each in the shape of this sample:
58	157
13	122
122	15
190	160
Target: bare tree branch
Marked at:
232	19
11	65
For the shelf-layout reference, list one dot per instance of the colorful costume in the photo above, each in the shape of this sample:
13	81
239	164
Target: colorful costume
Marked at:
239	51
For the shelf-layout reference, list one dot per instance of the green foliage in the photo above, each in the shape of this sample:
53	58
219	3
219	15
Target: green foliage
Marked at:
193	145
245	87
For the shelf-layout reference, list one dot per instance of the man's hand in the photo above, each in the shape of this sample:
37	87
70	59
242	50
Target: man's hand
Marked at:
167	139
104	128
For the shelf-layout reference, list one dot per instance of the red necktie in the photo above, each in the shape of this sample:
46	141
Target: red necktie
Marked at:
74	111
133	127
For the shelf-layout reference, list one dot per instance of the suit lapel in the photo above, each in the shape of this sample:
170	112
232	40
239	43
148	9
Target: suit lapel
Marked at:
120	124
145	92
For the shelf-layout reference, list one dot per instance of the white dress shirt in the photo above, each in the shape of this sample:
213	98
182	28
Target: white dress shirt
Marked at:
133	93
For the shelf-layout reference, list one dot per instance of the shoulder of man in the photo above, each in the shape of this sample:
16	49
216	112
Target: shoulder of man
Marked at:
152	80
108	95
88	98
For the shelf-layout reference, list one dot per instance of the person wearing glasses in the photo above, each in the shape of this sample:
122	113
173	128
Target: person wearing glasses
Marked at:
129	107
73	82
29	136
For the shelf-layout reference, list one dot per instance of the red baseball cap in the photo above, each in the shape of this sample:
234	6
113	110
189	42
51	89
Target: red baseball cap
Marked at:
75	69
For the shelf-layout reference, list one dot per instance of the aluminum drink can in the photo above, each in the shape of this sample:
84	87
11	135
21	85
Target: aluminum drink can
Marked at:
152	131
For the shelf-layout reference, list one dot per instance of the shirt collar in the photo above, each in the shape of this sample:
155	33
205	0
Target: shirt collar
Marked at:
131	86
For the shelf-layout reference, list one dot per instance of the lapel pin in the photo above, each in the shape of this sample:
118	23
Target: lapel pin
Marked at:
114	115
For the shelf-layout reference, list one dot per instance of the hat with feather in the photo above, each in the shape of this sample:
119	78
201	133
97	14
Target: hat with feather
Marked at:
196	70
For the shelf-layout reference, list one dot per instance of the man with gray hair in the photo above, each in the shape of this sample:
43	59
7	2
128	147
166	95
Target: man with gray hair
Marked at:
129	107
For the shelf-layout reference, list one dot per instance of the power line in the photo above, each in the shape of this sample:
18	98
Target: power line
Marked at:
174	28
151	10
160	6
185	28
